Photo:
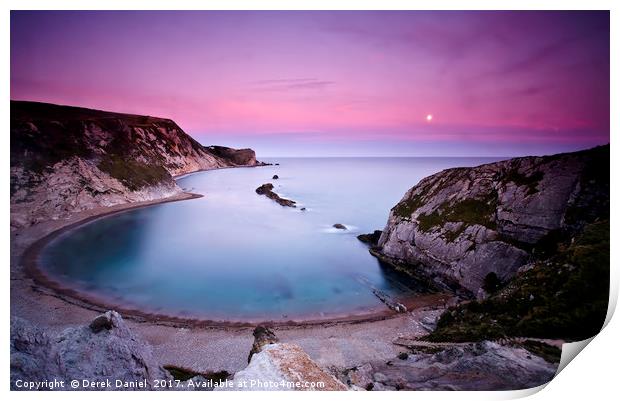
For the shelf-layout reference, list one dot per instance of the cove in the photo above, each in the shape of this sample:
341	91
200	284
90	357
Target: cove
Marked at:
233	255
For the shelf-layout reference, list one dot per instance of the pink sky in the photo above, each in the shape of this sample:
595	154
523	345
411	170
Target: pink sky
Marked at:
332	83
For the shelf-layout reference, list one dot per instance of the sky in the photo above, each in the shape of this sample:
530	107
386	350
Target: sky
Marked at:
332	83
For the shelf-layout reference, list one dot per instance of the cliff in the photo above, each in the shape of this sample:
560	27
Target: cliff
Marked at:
67	159
464	227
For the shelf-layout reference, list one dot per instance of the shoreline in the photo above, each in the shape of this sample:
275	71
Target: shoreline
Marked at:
29	259
199	346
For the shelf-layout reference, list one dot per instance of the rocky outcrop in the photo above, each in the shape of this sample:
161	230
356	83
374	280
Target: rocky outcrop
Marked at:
281	366
68	159
481	366
458	226
371	239
267	190
262	336
236	157
104	350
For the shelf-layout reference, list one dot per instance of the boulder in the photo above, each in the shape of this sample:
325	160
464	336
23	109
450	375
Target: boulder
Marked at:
262	336
106	349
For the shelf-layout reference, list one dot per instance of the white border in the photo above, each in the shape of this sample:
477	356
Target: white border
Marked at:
593	374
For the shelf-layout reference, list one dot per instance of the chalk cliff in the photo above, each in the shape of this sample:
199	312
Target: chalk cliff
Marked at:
68	159
461	226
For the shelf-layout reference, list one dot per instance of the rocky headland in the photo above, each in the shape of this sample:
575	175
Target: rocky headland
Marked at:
69	159
523	242
461	226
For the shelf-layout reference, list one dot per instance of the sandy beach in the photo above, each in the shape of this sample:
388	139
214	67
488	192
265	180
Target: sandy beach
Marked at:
339	341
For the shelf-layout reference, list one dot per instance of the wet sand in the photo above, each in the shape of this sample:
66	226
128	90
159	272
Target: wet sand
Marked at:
201	345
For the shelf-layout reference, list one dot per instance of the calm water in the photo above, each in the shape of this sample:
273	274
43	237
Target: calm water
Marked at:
239	256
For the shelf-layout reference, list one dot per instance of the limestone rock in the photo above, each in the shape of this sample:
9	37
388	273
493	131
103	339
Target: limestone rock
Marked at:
105	349
456	227
283	367
481	366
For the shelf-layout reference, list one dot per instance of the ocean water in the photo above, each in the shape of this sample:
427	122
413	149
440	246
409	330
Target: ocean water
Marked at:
235	255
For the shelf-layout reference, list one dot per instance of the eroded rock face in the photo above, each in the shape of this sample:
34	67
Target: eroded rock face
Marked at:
457	226
105	349
68	159
482	366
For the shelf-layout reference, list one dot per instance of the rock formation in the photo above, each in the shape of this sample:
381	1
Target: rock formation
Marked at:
281	366
68	159
340	226
267	190
104	350
456	227
371	239
481	366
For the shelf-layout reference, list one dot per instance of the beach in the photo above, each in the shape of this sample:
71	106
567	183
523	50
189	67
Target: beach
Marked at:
203	346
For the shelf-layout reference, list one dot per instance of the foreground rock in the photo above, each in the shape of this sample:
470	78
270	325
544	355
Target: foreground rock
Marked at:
279	366
267	190
104	350
459	226
69	159
482	366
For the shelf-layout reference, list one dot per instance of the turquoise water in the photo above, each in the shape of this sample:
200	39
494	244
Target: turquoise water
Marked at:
235	255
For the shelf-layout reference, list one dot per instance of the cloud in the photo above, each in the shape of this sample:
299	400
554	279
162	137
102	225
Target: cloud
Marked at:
278	85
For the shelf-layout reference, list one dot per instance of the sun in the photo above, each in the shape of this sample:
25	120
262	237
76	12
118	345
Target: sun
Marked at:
429	118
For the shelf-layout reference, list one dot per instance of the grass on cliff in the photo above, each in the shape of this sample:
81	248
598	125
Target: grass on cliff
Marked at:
406	207
134	174
468	211
564	297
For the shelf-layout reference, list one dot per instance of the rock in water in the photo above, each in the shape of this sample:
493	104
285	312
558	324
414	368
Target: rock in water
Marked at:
370	239
340	226
275	177
105	349
279	366
456	227
267	190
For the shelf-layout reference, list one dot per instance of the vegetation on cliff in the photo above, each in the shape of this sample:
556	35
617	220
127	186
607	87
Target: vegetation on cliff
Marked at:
564	297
